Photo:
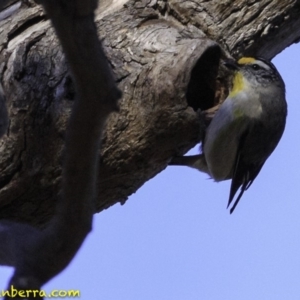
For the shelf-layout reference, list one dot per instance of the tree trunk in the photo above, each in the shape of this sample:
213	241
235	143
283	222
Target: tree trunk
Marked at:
165	56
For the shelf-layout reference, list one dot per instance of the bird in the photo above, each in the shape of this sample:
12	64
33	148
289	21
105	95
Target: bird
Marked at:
246	129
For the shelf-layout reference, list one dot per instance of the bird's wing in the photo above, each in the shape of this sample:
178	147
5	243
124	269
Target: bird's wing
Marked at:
243	175
222	140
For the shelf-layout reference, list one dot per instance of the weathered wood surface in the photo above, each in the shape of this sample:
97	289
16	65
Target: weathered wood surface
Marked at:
36	254
153	46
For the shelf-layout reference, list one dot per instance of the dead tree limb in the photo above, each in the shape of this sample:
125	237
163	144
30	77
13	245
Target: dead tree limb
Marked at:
164	55
39	254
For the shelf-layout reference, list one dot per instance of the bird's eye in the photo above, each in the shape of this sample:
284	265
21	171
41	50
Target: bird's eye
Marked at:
255	67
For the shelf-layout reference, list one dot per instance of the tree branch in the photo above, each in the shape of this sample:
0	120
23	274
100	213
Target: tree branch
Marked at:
152	47
39	255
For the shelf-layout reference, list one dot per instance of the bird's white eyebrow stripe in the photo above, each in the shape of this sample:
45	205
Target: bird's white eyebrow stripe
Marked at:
262	64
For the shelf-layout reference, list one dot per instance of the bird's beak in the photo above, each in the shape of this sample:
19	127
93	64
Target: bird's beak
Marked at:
231	64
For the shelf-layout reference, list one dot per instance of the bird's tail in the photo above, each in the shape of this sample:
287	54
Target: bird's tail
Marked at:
193	161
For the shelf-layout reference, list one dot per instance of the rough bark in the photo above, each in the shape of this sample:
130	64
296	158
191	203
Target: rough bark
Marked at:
165	57
37	255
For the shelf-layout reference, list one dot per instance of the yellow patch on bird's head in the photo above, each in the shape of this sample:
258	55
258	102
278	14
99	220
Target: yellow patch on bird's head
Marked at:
246	60
238	84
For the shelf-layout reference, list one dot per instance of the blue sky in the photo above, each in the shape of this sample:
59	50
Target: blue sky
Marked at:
174	238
